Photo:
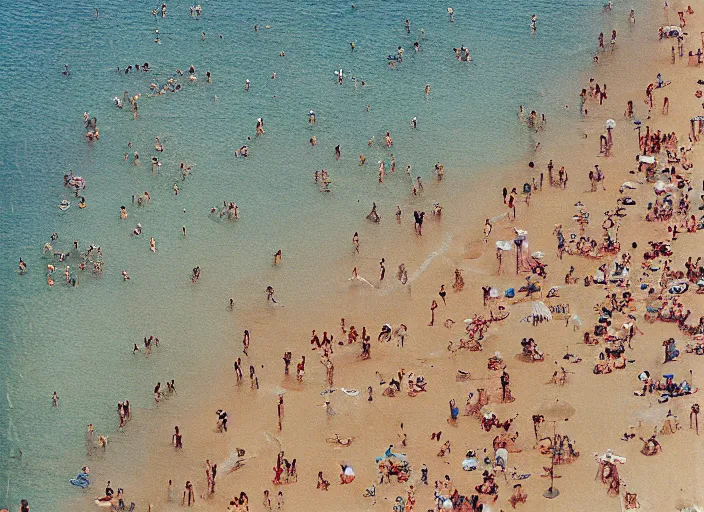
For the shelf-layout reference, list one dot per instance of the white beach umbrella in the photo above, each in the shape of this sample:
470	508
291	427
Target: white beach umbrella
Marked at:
540	309
610	123
504	245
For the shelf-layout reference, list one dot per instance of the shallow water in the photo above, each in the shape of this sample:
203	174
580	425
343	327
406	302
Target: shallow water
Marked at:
77	341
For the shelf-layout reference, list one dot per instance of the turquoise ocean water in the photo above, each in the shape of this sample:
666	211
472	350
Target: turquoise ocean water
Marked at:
78	341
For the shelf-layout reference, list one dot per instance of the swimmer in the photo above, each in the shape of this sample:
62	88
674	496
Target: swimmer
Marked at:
246	85
125	277
82	204
152	244
23	267
414	122
137	230
183	229
123	212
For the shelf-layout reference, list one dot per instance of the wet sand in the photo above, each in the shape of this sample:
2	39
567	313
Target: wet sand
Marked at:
605	405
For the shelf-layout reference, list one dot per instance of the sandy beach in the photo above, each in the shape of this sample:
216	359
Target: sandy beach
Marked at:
595	411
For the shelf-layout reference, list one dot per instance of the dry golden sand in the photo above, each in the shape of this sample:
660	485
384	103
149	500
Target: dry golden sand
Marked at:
605	405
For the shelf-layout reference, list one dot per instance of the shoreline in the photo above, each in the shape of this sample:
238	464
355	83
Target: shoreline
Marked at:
387	358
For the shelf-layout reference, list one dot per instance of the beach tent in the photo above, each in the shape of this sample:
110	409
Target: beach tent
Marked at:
539	309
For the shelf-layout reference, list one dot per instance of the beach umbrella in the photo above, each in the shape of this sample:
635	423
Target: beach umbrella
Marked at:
504	245
538	255
646	159
556	410
540	309
697	118
610	123
629	185
660	186
610	456
497	409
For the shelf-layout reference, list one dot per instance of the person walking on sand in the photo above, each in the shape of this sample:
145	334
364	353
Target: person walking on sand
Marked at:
433	307
511	205
189	494
454	413
505	390
600	178
487	230
301	369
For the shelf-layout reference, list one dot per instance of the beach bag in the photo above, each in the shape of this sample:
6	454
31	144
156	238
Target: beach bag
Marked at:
510	293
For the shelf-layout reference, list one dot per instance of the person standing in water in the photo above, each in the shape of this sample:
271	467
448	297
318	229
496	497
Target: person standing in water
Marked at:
270	294
280	409
245	342
55	399
355	242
